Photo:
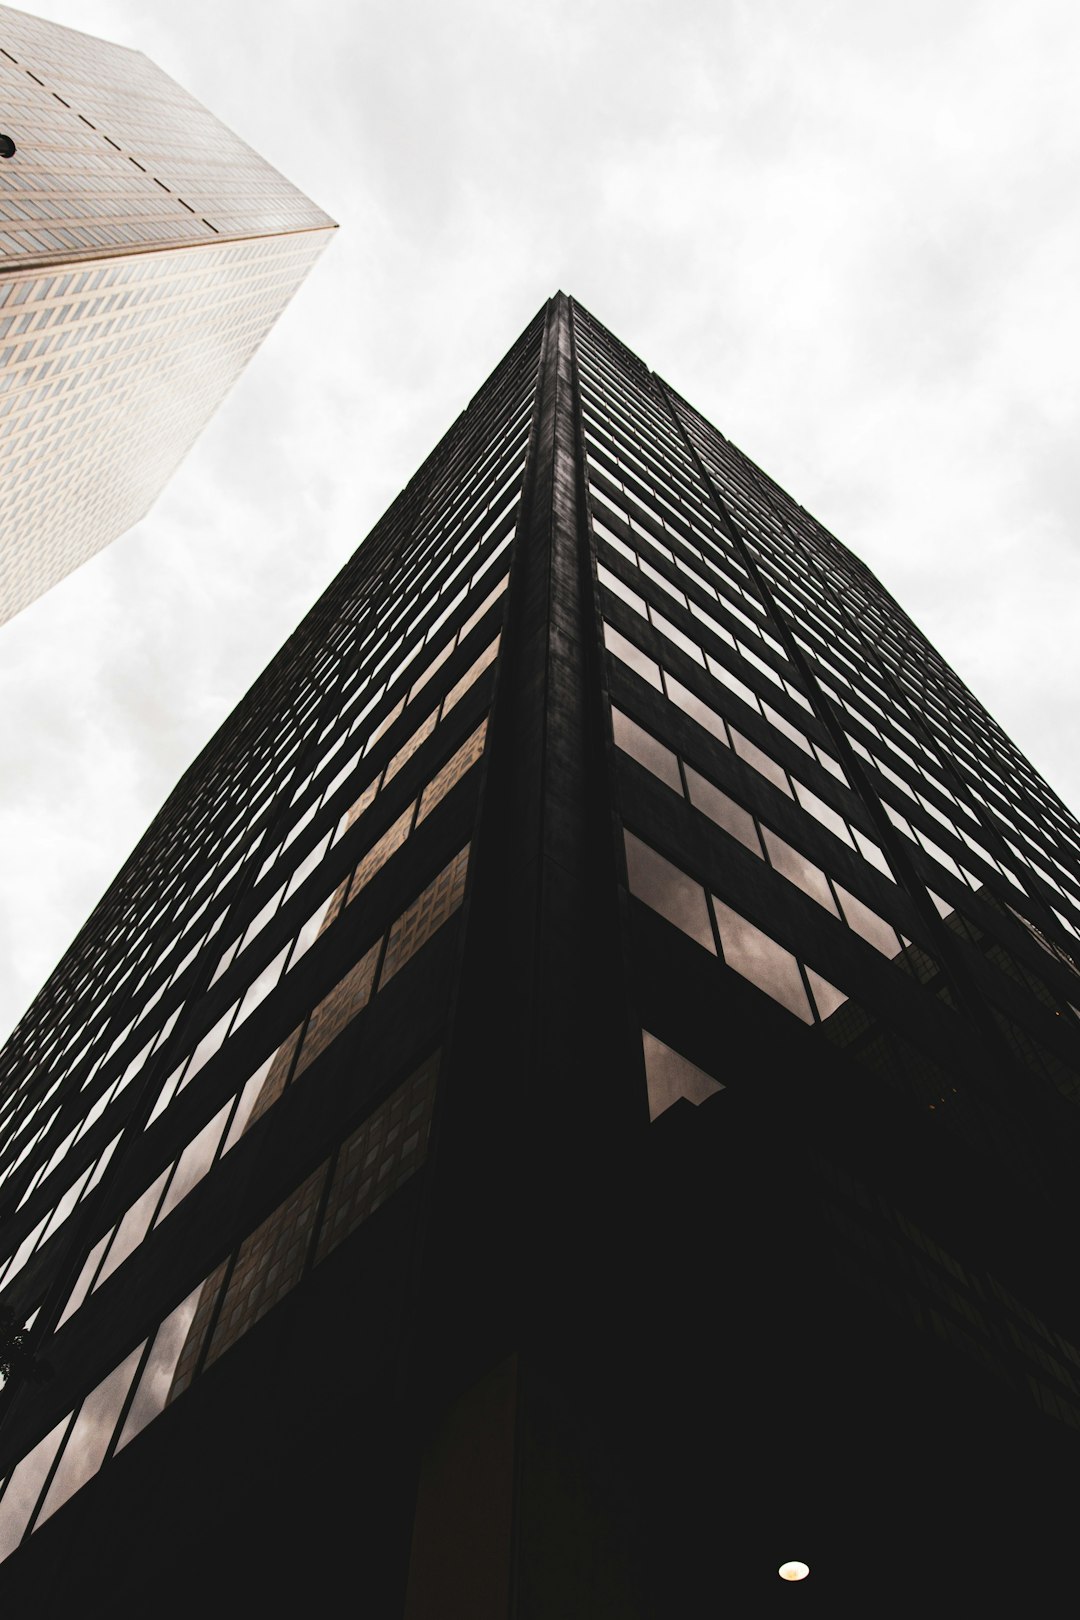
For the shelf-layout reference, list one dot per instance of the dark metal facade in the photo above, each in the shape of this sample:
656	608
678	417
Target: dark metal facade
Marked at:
573	1100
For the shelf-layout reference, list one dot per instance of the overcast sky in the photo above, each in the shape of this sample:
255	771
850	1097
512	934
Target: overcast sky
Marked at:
846	231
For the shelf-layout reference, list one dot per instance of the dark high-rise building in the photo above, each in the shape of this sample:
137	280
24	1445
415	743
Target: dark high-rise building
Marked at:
573	1104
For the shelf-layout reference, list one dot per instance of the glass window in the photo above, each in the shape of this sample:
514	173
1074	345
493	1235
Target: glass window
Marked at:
437	661
778	720
66	1204
826	995
308	865
408	749
85	1278
166	1094
380	852
823	812
831	765
342	776
228	956
24	1487
133	1228
665	584
264	1088
194	1162
639	662
643	746
670	1076
209	1045
321	918
298	826
269	1263
760	761
379	1157
455	768
717	629
724	811
471	675
478	613
261	918
667	890
428	912
260	987
696	708
614	583
90	1435
797	869
761	960
348	997
157	1376
874	929
870	852
679	637
246	1103
732	682
387	721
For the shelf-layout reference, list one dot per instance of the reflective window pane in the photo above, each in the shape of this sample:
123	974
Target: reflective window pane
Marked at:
308	865
85	1278
696	708
194	1162
428	912
797	869
348	997
24	1488
455	768
823	812
157	1376
259	988
209	1045
614	583
638	661
133	1228
826	996
667	890
870	851
760	761
380	852
679	637
761	960
732	682
643	746
90	1435
724	811
874	929
670	1076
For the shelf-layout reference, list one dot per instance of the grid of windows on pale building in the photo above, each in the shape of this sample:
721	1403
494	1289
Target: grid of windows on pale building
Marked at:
108	373
145	252
113	154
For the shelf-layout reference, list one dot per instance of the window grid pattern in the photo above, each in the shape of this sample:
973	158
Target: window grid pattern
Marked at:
145	251
712	561
424	594
220	811
371	1164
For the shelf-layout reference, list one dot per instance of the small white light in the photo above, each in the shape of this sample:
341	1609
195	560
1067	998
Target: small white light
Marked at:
793	1570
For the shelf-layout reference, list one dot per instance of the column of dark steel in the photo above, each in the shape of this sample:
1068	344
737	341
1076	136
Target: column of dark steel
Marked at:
533	1093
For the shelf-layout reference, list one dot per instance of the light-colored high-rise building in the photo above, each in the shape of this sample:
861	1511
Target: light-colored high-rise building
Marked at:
145	251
